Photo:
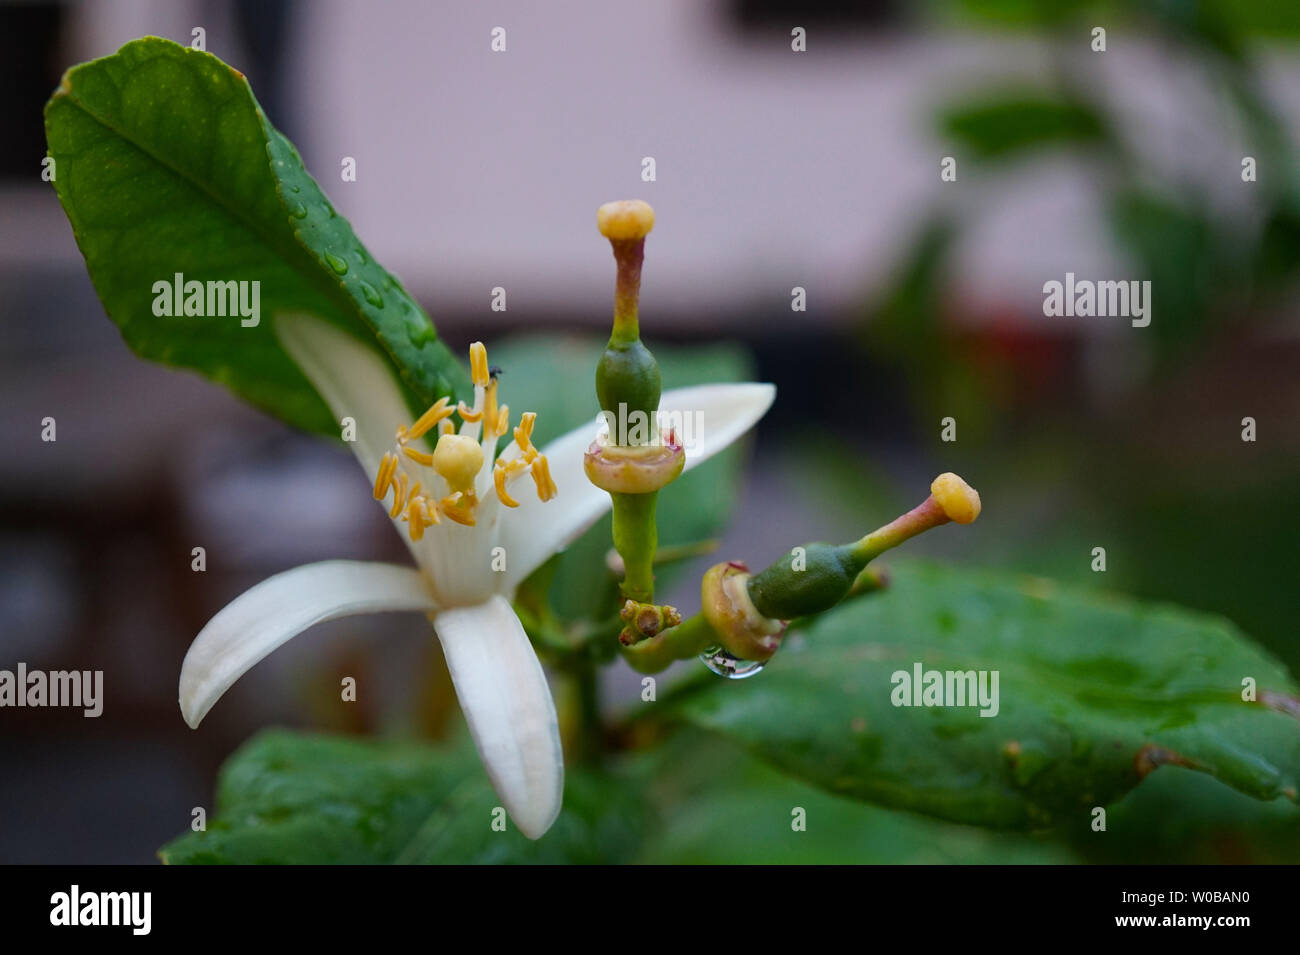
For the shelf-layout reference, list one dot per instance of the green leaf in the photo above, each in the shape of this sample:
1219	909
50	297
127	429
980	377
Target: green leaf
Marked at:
166	164
290	798
539	375
1094	694
718	807
1004	125
1180	817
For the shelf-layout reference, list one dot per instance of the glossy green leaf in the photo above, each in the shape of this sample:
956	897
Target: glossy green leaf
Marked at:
166	165
1094	694
1181	817
717	806
290	798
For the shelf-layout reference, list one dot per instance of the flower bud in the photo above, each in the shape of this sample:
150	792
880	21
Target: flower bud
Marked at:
646	620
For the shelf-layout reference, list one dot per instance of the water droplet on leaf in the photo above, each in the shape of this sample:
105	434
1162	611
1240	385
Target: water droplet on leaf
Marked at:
420	333
337	264
372	295
299	211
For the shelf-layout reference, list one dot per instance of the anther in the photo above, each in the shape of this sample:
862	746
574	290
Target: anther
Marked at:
524	433
490	402
399	495
478	364
459	507
419	513
499	478
387	465
435	414
421	457
541	472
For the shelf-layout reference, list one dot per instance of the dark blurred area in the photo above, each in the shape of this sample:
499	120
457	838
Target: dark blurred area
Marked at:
776	169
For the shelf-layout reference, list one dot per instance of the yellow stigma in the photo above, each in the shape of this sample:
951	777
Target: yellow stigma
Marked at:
478	366
625	219
959	500
458	458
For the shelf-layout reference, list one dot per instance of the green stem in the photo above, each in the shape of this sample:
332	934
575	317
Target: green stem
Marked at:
688	639
920	518
635	538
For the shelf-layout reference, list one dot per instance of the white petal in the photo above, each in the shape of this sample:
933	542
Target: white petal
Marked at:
280	608
535	530
354	381
507	703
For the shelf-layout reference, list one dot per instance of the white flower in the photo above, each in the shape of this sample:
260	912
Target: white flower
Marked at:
455	506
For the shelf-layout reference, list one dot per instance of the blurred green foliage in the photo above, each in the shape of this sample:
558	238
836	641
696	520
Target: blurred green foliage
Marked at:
1187	512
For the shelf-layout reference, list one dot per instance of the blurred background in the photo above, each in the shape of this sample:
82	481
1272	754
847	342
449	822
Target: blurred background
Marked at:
773	170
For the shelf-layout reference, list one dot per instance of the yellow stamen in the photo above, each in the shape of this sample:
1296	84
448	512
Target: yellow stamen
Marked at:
542	478
435	414
490	403
387	465
459	458
478	365
420	516
499	477
422	457
399	495
512	468
458	507
524	433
